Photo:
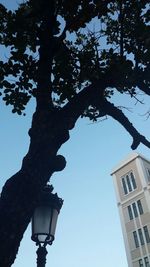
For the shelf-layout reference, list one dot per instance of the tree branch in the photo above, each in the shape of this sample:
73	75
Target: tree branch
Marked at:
46	43
77	105
118	115
121	20
92	95
143	87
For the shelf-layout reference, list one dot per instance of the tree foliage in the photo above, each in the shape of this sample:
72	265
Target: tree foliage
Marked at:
118	48
71	56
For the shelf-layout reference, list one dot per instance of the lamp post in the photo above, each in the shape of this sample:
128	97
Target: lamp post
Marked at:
44	222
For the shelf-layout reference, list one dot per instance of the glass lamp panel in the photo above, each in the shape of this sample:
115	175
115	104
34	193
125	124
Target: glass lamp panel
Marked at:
54	222
41	222
42	238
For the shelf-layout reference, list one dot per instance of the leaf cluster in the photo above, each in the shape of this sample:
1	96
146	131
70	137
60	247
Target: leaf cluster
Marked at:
117	51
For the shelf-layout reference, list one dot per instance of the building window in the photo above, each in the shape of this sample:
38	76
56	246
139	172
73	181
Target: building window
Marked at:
141	263
141	237
140	208
135	209
130	212
129	183
148	175
146	262
124	186
146	233
136	239
133	180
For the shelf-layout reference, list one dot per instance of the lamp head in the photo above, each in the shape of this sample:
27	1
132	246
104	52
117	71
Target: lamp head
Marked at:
45	217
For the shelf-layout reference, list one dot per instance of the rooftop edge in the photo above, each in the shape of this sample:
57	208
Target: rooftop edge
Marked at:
128	159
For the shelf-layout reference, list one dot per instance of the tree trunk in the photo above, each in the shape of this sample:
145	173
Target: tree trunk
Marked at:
48	132
21	192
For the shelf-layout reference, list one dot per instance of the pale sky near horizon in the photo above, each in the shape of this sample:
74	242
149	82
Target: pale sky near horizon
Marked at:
88	231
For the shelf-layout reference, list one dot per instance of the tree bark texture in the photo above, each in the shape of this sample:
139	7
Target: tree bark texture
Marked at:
48	132
21	192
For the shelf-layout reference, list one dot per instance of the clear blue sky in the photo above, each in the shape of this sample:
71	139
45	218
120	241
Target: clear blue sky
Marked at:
88	231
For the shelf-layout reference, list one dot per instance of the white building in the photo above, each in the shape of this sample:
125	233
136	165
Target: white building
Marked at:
132	185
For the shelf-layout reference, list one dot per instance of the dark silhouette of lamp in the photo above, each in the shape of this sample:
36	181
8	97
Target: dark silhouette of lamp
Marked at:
44	222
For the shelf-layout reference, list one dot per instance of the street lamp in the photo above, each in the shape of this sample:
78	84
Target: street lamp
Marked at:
44	222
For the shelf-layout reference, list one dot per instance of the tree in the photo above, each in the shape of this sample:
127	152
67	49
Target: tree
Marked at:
71	71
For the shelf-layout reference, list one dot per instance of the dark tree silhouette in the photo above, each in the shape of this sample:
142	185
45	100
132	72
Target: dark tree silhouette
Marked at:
72	72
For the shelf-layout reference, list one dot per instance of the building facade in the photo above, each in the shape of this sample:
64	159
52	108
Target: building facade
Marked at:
132	185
